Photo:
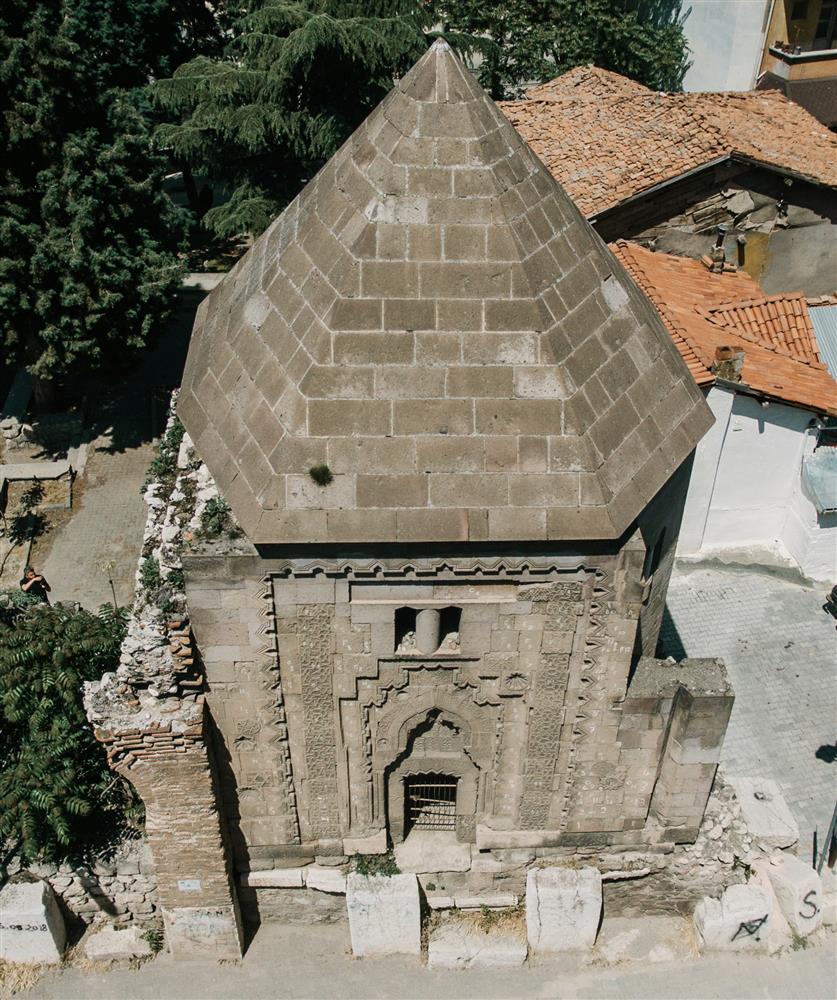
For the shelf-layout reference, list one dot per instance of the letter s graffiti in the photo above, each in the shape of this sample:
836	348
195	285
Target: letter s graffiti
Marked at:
809	902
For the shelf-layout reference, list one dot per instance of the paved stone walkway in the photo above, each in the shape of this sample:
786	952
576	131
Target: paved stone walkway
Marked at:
780	649
107	528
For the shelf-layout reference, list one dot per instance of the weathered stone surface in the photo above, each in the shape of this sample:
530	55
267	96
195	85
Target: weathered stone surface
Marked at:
31	926
646	939
829	896
412	292
374	844
563	908
192	931
765	811
798	889
492	900
114	945
461	944
738	921
384	914
325	879
426	851
276	878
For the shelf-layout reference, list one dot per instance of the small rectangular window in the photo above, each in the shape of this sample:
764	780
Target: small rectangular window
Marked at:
800	10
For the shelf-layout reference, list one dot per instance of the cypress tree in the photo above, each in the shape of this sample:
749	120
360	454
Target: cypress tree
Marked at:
295	79
88	240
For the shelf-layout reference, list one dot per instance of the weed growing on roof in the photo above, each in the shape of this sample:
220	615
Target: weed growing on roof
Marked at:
216	520
163	467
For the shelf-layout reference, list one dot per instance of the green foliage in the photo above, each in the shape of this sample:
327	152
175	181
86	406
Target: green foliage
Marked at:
216	520
176	579
88	239
149	574
295	79
163	467
13	601
375	864
536	40
321	474
126	43
154	938
58	798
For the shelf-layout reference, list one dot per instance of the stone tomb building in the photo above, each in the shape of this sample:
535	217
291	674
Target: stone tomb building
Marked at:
457	439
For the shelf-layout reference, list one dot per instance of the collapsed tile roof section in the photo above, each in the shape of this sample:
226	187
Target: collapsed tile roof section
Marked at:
607	139
704	311
434	320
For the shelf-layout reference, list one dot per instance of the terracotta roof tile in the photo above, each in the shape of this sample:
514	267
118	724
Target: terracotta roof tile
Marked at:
781	320
704	311
606	138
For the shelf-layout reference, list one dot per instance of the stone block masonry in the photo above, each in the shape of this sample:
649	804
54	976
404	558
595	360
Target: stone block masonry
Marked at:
384	914
563	908
31	926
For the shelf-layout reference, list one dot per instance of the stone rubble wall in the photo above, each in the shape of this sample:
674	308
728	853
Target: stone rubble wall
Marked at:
121	890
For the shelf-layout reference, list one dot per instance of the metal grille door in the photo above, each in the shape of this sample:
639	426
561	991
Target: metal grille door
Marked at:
431	802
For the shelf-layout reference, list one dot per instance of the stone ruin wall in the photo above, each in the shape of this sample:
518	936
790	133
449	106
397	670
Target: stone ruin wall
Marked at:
152	715
119	890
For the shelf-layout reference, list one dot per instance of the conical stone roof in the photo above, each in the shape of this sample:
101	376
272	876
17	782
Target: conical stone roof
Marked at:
434	320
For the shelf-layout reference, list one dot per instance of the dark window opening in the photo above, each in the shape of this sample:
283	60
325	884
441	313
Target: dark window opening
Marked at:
653	557
800	10
405	625
449	619
430	802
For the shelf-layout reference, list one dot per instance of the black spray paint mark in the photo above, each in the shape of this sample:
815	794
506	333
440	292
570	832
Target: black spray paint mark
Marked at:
808	901
751	928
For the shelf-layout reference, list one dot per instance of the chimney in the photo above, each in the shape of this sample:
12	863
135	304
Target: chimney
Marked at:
741	240
728	363
718	253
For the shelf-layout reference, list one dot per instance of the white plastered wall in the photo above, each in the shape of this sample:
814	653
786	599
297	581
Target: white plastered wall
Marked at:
725	43
746	490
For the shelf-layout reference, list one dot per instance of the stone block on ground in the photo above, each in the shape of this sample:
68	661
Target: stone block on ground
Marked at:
429	851
798	890
463	944
31	926
646	939
563	908
765	811
275	878
325	879
384	914
112	945
738	921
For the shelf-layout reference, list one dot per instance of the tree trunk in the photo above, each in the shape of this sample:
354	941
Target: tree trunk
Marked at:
45	393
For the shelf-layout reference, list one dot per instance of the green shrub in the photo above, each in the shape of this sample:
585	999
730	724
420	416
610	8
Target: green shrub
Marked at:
58	798
216	520
163	467
375	864
321	474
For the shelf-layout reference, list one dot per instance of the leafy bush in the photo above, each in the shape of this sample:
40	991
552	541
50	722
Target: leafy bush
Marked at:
149	574
321	474
163	467
375	864
58	798
216	520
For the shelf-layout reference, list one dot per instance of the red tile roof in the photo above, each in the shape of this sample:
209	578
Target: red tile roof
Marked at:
704	311
607	138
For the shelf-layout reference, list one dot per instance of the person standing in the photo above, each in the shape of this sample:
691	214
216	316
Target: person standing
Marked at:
35	584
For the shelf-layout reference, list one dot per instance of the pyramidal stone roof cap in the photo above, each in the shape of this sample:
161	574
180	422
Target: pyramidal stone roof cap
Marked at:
434	320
